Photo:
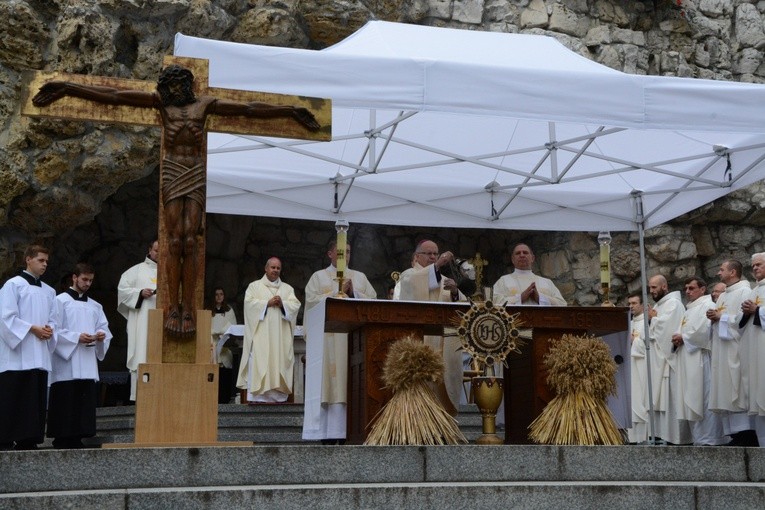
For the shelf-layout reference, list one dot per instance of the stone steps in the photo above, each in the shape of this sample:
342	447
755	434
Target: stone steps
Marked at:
452	477
262	424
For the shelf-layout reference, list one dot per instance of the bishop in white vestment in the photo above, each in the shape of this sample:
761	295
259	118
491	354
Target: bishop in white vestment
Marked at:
270	312
423	282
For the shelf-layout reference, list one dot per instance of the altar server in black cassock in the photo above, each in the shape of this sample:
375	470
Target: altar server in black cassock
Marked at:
83	339
27	339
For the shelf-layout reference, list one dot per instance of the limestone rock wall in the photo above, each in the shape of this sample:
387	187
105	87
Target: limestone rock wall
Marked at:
89	191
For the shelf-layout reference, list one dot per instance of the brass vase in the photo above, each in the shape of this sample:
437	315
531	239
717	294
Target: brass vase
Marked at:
488	393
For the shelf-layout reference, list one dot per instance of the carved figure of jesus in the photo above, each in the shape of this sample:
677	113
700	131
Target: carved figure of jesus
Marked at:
184	166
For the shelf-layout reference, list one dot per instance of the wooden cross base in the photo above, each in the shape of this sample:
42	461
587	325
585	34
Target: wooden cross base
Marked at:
177	402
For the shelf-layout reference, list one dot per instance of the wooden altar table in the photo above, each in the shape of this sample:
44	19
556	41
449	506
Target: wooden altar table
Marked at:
373	324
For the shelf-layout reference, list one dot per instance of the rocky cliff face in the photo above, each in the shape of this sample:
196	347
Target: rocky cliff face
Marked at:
89	190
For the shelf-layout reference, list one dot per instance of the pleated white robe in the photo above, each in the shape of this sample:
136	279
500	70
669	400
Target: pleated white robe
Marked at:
268	355
326	370
728	397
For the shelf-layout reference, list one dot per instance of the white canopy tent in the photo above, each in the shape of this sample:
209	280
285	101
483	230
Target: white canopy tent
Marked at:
456	128
460	128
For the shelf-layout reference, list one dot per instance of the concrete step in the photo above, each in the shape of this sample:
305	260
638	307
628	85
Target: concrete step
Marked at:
455	496
452	477
262	424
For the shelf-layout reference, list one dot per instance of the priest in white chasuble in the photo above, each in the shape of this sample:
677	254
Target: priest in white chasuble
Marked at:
693	349
666	320
728	395
270	311
639	432
136	295
424	282
522	286
753	341
326	377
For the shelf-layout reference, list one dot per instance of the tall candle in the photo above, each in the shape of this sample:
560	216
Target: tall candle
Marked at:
341	245
605	265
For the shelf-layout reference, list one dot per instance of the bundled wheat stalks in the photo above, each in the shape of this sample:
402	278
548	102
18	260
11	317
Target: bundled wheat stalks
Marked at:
582	374
413	416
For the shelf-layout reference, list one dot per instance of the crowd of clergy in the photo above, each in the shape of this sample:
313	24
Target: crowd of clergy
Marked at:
695	368
698	370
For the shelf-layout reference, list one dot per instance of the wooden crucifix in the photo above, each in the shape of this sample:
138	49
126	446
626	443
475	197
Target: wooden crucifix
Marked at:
186	109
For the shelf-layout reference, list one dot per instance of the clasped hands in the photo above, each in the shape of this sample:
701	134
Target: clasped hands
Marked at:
749	307
713	315
275	301
348	287
99	336
42	332
531	293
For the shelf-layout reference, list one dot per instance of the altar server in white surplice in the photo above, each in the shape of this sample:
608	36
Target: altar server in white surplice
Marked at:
326	370
136	295
693	349
753	340
223	316
639	432
27	338
522	286
729	396
83	339
666	319
424	282
270	311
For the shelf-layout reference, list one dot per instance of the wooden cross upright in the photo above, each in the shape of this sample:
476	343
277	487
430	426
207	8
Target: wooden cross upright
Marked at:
183	157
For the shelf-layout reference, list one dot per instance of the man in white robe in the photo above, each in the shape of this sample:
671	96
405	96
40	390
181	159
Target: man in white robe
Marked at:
268	356
83	339
326	369
424	282
136	295
522	286
693	356
717	290
27	339
639	432
728	396
753	340
666	319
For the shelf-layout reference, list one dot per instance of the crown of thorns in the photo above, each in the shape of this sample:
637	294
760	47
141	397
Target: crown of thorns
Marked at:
174	72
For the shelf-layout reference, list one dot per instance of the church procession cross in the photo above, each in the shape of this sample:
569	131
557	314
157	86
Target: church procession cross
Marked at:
185	108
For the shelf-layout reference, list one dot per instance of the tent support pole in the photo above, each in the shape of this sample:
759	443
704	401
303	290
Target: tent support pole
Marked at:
640	220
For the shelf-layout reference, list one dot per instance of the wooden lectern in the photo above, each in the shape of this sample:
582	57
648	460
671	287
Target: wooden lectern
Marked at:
373	325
